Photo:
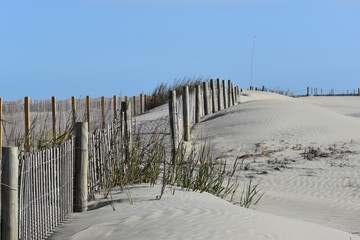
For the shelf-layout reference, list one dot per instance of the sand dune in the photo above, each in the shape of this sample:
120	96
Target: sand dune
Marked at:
275	118
306	197
186	215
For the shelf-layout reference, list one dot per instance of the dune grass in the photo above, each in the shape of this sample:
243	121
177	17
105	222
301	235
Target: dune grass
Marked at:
149	159
160	94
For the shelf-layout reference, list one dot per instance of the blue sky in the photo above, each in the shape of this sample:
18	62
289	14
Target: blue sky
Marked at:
120	47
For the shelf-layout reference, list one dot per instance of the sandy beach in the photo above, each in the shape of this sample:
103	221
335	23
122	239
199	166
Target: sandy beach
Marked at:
303	151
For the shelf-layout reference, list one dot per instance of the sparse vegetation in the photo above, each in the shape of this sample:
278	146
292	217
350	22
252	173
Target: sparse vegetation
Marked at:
160	94
149	160
250	195
337	152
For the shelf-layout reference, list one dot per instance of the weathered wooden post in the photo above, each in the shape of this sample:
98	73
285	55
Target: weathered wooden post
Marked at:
173	122
225	94
358	91
53	106
115	107
134	105
219	93
186	109
197	104
9	193
103	122
234	93
308	91
206	98
1	126
142	103
145	102
129	120
88	112
213	96
73	110
27	124
231	89
230	103
81	167
125	106
238	94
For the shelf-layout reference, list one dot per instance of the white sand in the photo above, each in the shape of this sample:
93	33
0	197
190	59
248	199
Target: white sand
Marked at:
304	199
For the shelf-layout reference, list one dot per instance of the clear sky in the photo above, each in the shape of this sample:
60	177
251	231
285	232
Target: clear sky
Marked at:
125	47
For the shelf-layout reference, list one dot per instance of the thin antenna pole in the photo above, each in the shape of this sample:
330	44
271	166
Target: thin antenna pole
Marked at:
252	61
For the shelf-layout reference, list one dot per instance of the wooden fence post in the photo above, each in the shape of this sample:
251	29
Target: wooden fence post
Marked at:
230	103
145	102
224	94
1	127
9	193
134	105
73	109
126	128
53	103
129	119
233	94
206	98
81	167
103	112
213	94
141	103
197	103
186	109
220	96
238	100
115	107
308	91
237	95
173	121
358	91
125	110
88	112
27	124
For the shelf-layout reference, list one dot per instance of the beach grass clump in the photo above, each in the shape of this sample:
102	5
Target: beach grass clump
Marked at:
147	158
133	160
160	94
196	170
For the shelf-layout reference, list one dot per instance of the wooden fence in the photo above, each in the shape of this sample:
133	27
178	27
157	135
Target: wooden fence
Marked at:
196	102
57	181
313	91
25	123
106	148
46	190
